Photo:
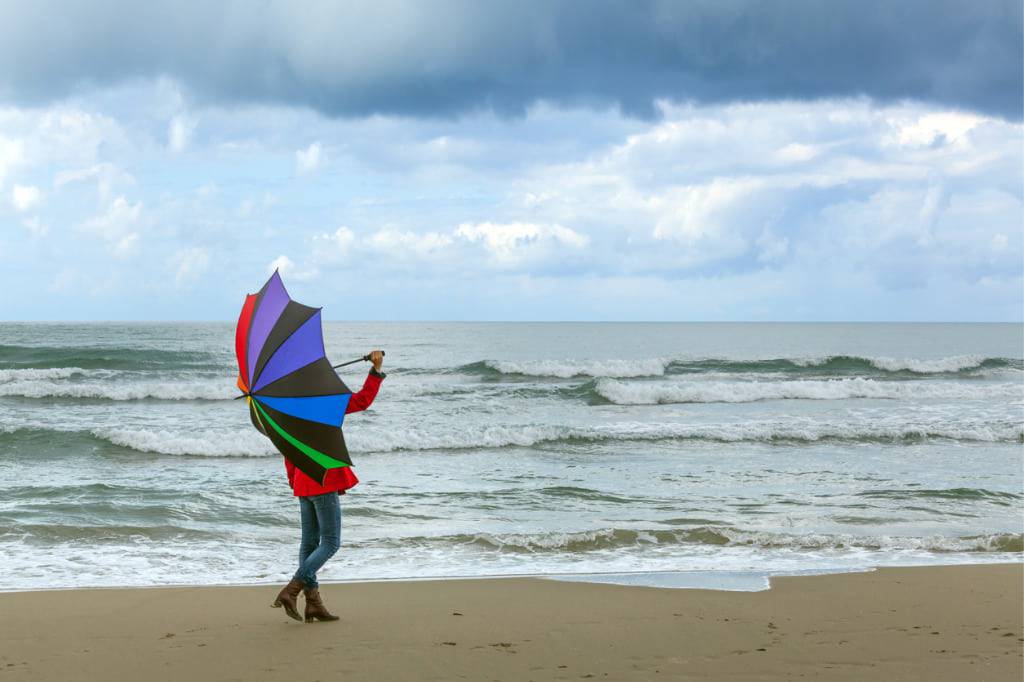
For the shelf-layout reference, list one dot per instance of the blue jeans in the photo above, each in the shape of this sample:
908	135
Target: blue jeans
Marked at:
321	534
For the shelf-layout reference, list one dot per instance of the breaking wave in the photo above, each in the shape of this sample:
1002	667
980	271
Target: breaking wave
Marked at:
567	369
230	444
49	374
998	497
660	393
246	442
653	367
617	538
49	383
499	436
159	441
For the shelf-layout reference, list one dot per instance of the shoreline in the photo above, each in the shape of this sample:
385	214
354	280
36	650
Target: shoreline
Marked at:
933	622
643	578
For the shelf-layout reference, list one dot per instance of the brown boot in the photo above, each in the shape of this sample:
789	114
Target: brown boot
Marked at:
288	598
315	609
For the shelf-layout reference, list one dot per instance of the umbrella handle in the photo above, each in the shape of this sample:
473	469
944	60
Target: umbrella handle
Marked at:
365	358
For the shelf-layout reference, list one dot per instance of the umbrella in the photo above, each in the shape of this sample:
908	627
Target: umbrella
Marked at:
295	397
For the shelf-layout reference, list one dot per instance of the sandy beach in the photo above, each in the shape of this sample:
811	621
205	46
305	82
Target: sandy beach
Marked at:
931	623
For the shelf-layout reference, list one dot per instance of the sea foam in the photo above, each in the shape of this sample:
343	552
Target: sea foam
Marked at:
655	393
164	442
613	538
50	383
566	369
28	375
247	442
251	444
655	367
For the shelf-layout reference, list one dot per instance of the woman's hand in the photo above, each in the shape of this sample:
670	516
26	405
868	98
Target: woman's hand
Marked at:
377	358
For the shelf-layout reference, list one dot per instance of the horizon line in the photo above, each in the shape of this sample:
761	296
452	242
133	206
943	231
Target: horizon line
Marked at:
467	321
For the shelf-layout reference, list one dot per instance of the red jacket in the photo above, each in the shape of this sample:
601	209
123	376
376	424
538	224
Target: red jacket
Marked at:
340	479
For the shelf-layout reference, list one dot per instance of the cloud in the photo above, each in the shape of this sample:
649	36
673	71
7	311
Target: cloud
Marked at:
754	210
251	206
469	247
701	218
813	202
282	263
788	185
25	197
335	245
179	131
456	56
117	227
10	155
513	244
386	248
63	281
62	141
189	264
105	175
288	268
309	159
406	244
948	127
771	247
125	246
36	228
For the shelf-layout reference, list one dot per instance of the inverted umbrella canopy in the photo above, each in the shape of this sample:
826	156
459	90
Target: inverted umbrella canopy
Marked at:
295	398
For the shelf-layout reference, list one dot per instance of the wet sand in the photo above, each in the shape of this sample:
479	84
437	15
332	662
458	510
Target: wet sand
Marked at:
932	623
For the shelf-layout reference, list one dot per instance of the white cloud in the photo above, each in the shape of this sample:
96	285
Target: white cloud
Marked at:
468	247
282	263
690	213
64	281
771	247
796	152
36	228
287	267
403	244
25	197
251	206
69	135
885	209
387	246
125	246
179	131
65	177
931	128
11	153
117	227
36	142
512	244
753	186
106	175
189	265
335	244
887	217
309	159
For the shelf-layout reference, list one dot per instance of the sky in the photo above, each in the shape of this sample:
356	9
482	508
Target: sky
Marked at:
591	160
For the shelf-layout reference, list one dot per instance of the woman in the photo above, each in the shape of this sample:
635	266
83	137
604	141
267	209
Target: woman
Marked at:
320	512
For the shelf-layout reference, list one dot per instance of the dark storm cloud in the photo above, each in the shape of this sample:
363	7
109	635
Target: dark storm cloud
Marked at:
445	58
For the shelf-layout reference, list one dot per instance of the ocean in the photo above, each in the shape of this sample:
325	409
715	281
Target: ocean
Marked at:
520	449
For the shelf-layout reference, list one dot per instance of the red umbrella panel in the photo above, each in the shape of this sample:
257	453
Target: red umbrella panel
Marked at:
295	397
